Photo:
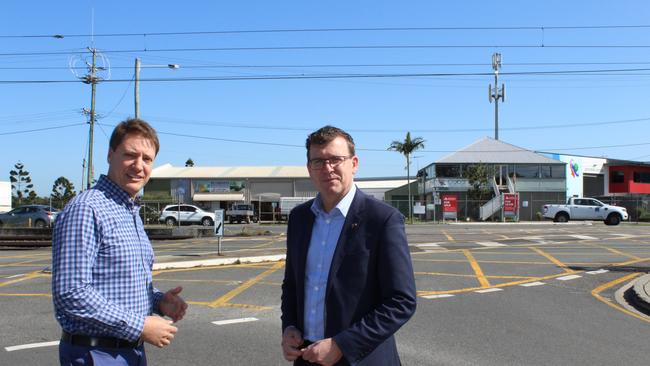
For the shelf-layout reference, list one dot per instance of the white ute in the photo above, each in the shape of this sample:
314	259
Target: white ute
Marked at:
585	209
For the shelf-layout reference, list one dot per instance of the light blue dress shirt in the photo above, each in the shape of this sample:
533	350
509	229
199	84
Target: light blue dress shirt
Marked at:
325	234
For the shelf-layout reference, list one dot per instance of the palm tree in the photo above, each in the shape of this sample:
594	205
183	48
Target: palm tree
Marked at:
406	147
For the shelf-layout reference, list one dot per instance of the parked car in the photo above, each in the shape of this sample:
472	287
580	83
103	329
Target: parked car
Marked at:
241	212
29	216
578	208
188	214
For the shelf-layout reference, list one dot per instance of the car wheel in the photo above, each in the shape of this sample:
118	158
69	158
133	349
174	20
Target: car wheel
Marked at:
170	221
206	221
613	219
39	224
561	217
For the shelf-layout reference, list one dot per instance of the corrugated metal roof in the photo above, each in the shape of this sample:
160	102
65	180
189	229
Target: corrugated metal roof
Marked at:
169	171
491	151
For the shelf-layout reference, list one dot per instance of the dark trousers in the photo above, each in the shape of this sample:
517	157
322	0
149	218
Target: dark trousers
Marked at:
72	355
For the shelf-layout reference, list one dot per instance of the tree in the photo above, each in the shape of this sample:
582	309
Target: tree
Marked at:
21	183
62	191
189	162
405	148
478	178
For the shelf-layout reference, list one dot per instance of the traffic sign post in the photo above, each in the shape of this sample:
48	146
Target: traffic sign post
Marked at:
218	228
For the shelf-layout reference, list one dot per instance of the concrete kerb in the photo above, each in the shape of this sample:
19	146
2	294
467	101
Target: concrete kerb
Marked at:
217	262
641	288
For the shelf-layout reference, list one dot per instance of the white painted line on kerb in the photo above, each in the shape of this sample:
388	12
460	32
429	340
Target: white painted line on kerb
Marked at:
437	296
490	244
569	277
531	284
488	290
234	321
584	237
598	271
31	345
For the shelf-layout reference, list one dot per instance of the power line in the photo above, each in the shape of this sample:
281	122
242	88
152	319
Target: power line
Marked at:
306	30
316	48
346	65
340	76
40	129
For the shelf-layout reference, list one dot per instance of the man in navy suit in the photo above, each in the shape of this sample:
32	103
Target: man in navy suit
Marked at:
348	283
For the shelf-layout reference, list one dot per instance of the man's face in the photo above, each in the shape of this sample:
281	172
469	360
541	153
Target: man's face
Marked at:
332	182
130	164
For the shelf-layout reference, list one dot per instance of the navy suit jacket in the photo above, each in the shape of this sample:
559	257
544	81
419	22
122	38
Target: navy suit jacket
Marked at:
370	289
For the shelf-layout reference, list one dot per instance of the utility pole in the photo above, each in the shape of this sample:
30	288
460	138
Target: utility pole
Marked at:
496	92
91	79
136	88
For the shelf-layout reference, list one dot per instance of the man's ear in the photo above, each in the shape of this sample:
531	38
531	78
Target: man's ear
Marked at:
110	154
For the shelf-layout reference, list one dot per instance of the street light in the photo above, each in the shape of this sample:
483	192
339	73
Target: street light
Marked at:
137	82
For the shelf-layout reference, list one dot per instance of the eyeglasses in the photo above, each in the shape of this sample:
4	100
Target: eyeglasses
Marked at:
334	161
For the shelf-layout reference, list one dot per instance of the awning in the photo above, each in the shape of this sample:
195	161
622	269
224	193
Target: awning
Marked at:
203	197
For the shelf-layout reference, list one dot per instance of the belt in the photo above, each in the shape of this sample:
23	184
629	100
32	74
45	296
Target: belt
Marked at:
107	342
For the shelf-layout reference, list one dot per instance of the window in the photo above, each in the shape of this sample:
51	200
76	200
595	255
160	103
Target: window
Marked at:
188	209
448	171
616	176
527	171
641	177
553	171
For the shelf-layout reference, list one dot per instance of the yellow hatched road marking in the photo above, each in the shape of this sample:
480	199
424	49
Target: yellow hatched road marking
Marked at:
615	251
244	286
477	269
552	259
596	293
27	276
25	295
449	237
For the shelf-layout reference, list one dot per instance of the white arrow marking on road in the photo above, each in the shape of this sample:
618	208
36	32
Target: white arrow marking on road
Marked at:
598	271
437	296
234	321
32	345
490	244
488	290
531	284
567	278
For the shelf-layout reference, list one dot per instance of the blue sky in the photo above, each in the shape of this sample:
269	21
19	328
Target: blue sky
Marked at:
565	112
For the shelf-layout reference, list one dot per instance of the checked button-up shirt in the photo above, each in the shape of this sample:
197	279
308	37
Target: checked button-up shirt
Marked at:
101	265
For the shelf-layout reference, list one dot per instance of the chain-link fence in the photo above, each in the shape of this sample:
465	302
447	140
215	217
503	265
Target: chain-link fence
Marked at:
530	209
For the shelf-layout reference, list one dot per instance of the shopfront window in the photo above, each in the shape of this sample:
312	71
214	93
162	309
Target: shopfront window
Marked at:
616	176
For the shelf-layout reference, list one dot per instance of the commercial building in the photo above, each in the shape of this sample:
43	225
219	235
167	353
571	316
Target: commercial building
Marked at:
533	178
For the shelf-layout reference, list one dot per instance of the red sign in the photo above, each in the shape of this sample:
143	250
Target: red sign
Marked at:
510	202
449	203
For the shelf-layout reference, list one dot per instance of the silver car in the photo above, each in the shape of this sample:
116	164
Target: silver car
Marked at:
29	216
188	214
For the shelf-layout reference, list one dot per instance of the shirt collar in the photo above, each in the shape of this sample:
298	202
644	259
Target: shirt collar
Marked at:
106	184
343	206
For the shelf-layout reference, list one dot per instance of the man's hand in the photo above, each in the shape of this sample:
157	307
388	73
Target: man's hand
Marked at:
324	352
158	331
291	340
173	305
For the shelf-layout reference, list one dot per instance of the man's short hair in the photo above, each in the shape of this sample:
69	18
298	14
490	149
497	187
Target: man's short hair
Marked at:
327	134
134	126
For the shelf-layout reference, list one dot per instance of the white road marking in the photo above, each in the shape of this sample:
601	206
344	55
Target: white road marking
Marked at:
584	237
598	271
14	276
234	321
490	244
531	284
31	345
427	245
569	277
488	290
437	296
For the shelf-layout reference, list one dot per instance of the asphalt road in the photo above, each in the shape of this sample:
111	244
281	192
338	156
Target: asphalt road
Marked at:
508	294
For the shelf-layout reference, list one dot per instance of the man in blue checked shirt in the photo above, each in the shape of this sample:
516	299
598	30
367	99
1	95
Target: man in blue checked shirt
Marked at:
102	286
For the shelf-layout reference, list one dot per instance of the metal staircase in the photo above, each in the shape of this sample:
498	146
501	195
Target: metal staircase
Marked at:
496	203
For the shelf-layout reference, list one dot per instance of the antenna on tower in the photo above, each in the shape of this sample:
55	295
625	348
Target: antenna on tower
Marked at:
496	92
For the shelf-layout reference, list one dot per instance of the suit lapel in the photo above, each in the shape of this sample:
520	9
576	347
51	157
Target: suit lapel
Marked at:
303	248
